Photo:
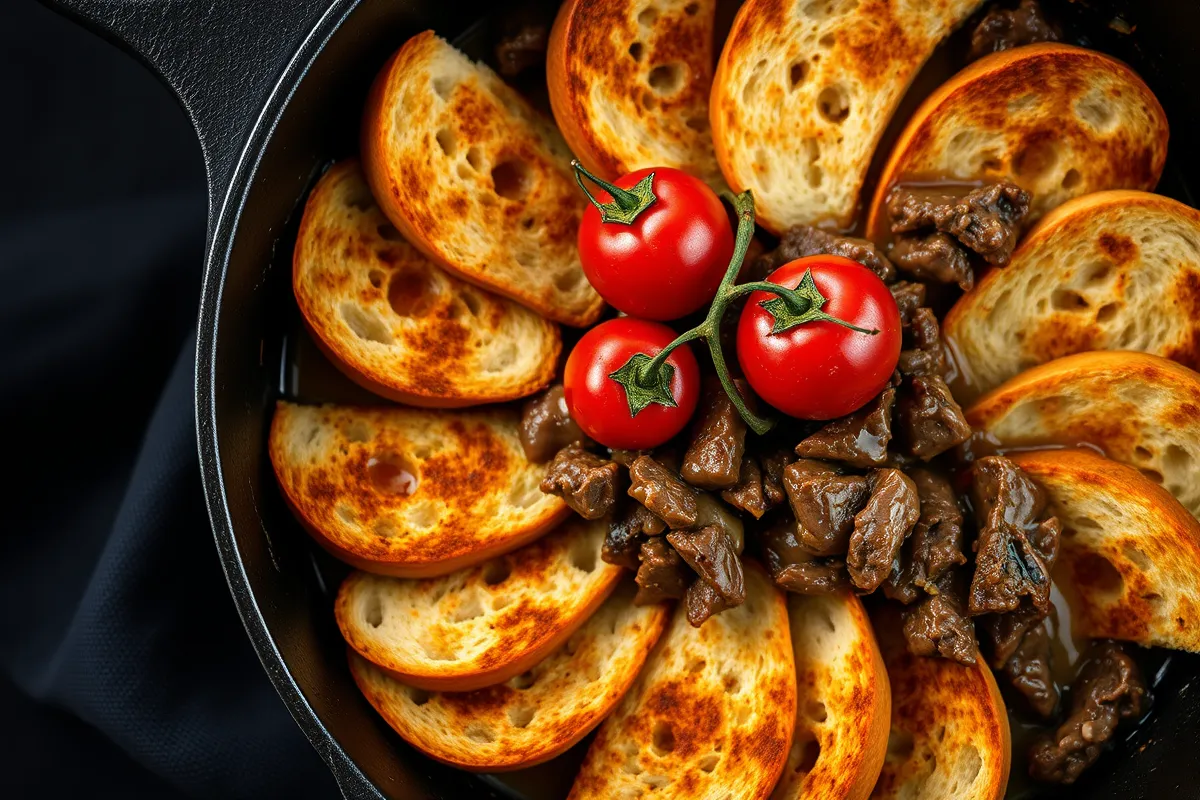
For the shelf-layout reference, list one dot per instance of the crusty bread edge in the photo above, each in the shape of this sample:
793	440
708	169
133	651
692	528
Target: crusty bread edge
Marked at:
874	747
716	121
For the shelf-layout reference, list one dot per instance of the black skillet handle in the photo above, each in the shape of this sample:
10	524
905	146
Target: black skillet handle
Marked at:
220	57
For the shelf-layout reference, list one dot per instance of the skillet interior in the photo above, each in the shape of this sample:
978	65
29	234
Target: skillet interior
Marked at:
259	356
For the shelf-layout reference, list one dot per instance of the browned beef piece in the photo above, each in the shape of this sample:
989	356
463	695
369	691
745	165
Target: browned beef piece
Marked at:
523	49
626	457
703	600
660	490
1018	540
923	354
936	544
547	427
1006	28
928	419
1109	689
881	527
939	625
712	556
626	533
662	574
773	464
714	458
909	297
587	482
824	503
805	240
1028	670
795	568
986	220
1004	632
934	257
859	439
747	494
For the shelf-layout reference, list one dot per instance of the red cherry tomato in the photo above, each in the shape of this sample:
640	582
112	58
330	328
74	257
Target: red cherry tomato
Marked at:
821	370
599	404
670	261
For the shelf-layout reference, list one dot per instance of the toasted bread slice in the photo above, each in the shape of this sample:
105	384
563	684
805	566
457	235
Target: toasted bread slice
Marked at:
804	91
629	84
1130	553
483	625
1060	121
470	173
407	492
843	701
400	326
1139	409
711	715
536	715
1108	271
950	738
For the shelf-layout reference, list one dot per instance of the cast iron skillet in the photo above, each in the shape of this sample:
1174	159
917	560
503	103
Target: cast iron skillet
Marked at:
274	89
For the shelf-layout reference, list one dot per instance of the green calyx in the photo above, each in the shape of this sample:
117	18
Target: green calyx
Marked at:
626	204
642	386
803	304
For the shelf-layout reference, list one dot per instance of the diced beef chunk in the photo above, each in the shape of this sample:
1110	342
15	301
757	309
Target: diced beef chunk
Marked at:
662	574
1004	632
937	538
747	494
547	427
711	511
923	354
625	535
933	257
712	556
805	240
794	568
881	527
660	490
985	220
939	625
824	504
587	482
703	600
773	464
1018	540
928	419
909	297
523	49
1028	670
859	439
1109	689
1006	28
626	457
714	458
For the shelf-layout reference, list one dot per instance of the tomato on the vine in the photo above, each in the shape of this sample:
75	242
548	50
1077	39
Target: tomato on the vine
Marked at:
658	250
605	397
821	369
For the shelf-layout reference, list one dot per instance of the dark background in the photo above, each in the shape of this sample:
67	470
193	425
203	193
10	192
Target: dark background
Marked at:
124	671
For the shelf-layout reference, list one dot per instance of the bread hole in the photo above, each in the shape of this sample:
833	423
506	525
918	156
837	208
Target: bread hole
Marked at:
647	16
373	610
631	765
1153	598
816	711
358	431
1153	474
566	281
635	51
1095	110
695	665
346	515
1087	524
468	609
1139	559
731	682
742	716
1176	460
819	10
940	733
582	555
447	141
691	9
418	697
709	762
655	781
423	515
361	201
572	644
412	292
833	103
1038	158
511	179
807	751
991	164
827	40
662	738
798	73
813	172
501	602
1142	453
698	124
478	732
524	680
376	277
392	473
1071	179
526	258
521	716
472	302
969	765
1097	573
751	86
1068	300
900	746
1107	311
443	85
474	158
497	572
825	617
439	591
464	172
365	324
649	101
666	79
527	223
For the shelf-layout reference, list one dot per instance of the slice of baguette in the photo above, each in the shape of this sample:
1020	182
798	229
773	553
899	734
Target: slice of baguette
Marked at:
1130	555
483	625
711	715
538	714
1108	271
629	83
803	92
407	492
1058	120
398	325
843	701
950	738
1139	409
470	173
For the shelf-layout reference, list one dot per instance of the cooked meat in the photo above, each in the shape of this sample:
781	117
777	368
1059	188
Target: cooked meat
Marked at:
923	354
819	576
985	220
1004	632
714	458
547	427
626	457
824	504
660	490
928	420
625	535
1109	689
773	464
587	482
909	297
939	626
747	494
1006	28
936	542
524	49
1018	540
1028	670
859	439
711	511
881	527
933	257
805	240
712	556
662	574
704	600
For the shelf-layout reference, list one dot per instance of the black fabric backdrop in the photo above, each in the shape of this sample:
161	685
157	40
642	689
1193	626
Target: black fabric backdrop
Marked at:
124	671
